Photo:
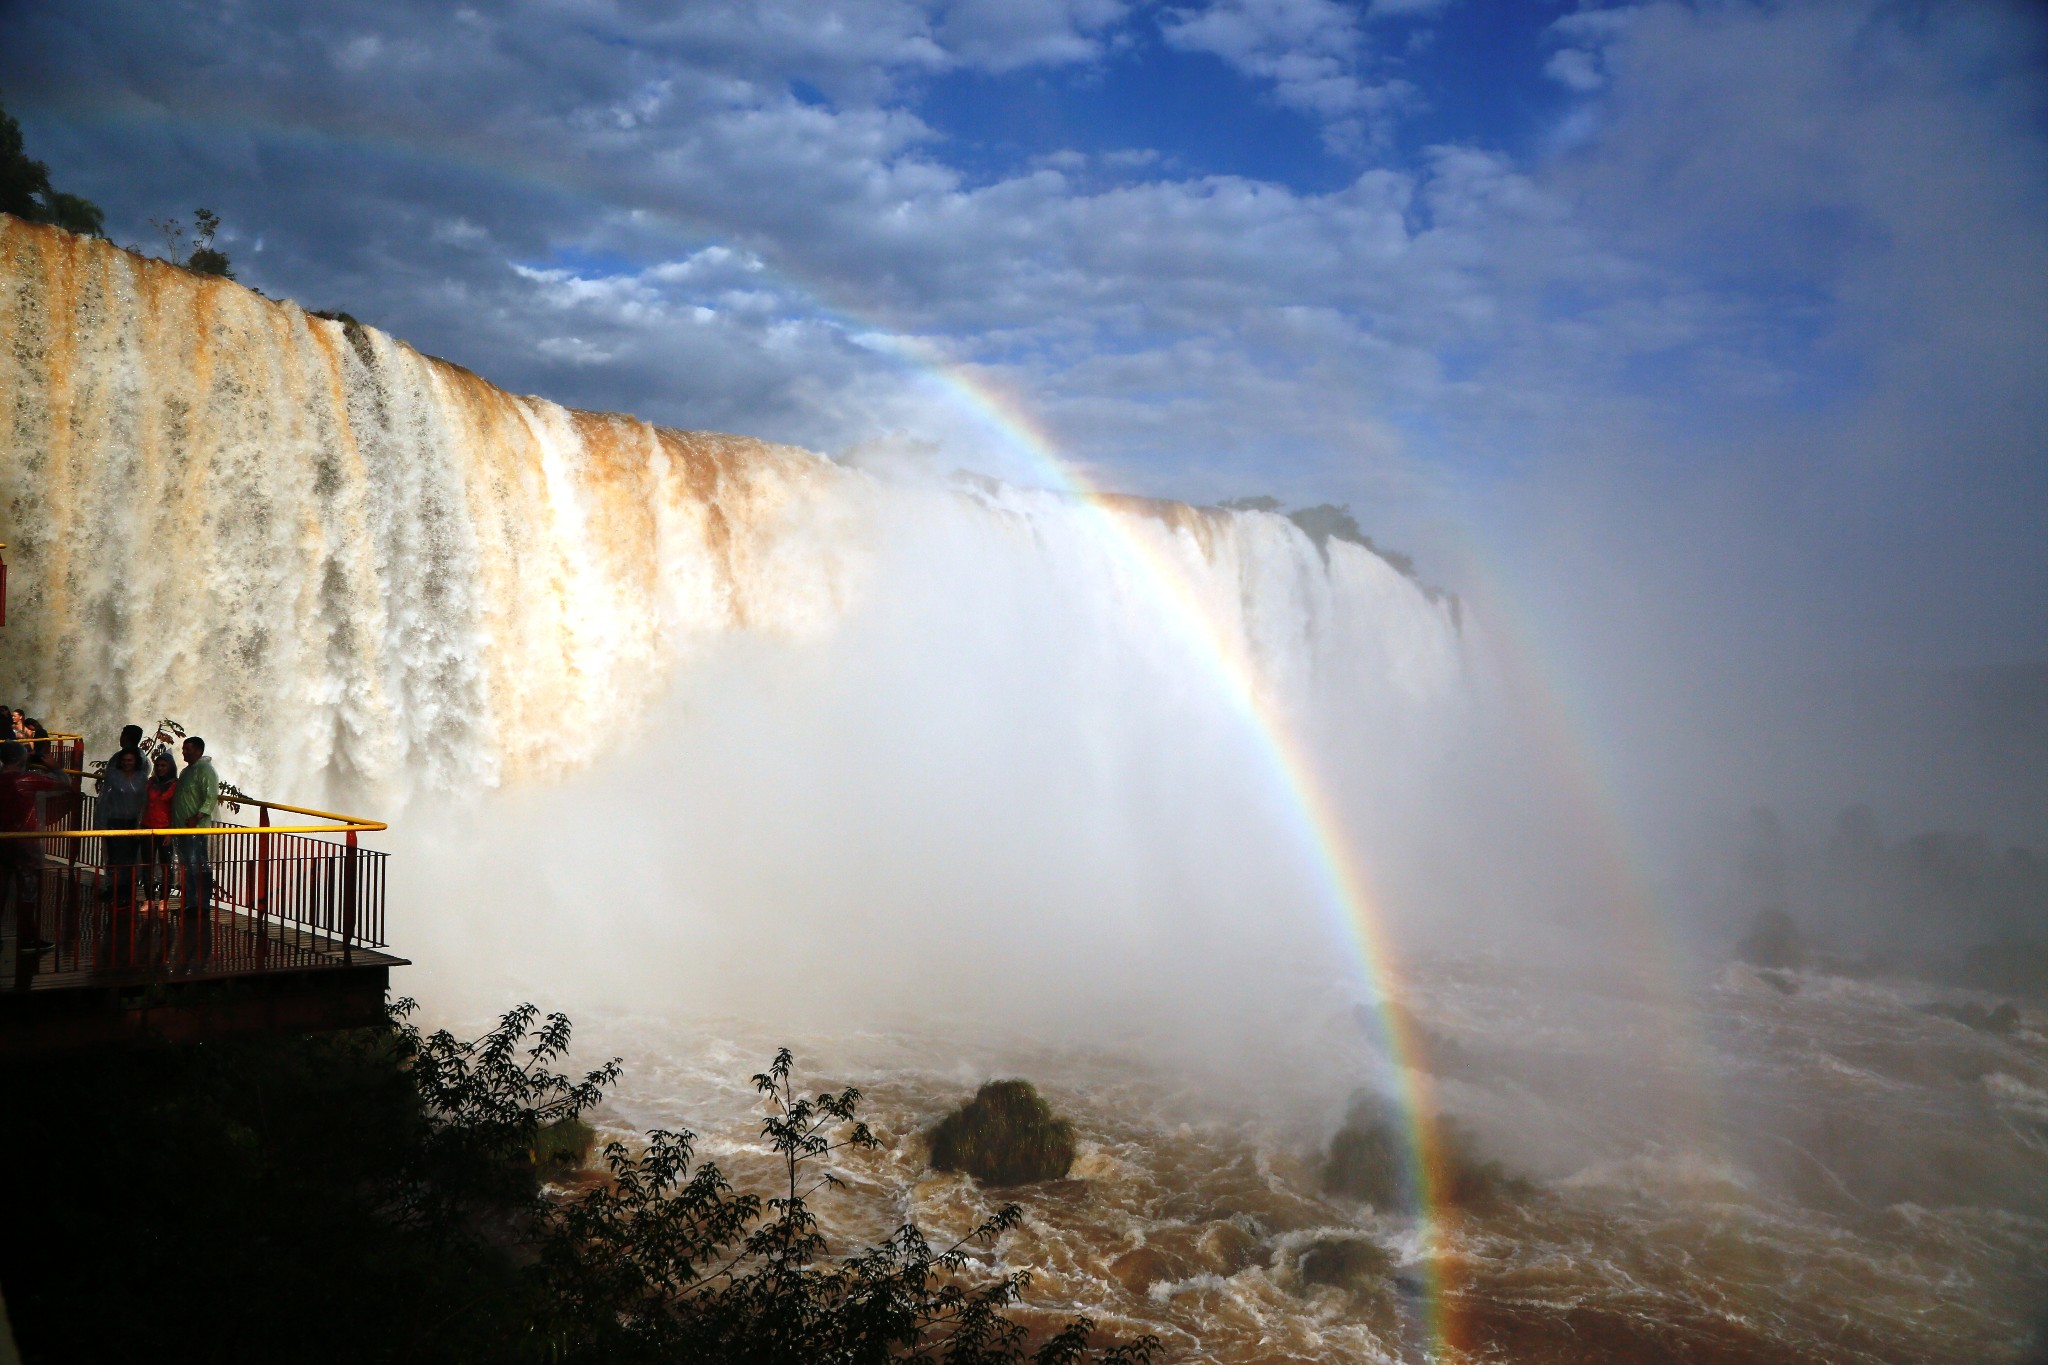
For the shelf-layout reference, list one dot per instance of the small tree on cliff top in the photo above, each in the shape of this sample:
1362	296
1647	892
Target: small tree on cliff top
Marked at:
204	258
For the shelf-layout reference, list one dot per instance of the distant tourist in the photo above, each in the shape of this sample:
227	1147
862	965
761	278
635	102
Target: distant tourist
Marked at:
19	787
21	859
198	796
124	790
159	800
45	755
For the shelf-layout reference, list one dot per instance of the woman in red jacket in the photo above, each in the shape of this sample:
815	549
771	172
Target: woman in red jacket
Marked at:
156	814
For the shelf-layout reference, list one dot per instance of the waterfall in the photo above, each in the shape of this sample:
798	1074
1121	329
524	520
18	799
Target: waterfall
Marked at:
349	557
370	577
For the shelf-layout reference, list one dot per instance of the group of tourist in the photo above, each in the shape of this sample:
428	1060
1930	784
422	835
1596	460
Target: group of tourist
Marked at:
135	793
150	793
17	727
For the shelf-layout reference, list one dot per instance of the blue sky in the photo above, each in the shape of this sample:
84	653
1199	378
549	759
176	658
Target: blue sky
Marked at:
1481	66
1716	329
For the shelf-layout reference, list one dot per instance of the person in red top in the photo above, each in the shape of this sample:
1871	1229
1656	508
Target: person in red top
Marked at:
156	814
21	860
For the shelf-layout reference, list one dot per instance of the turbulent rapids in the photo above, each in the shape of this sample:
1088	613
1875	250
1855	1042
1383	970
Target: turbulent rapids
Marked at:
720	744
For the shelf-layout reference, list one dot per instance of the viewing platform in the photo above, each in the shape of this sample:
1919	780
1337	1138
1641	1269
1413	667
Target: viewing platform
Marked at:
104	936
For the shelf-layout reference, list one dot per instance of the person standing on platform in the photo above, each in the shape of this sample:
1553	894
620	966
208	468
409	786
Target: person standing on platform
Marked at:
198	796
159	797
131	738
44	755
21	860
123	789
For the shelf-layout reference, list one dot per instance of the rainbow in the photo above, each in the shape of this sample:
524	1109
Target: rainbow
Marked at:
1345	881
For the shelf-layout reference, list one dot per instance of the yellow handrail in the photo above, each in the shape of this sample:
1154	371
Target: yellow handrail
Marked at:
211	831
344	824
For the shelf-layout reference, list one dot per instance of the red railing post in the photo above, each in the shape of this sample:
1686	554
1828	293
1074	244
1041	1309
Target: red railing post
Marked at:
348	901
77	764
263	885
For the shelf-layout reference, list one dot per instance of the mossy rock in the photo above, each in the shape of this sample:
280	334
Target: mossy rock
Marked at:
1138	1269
563	1145
1369	1161
1227	1247
1344	1263
1005	1135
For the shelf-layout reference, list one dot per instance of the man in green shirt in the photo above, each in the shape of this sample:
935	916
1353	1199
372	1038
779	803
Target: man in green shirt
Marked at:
192	807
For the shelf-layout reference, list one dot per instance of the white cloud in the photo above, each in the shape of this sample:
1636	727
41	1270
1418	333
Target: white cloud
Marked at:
574	350
1575	69
1312	51
1001	35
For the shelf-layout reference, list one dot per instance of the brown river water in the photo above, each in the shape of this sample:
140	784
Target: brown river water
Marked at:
1871	1183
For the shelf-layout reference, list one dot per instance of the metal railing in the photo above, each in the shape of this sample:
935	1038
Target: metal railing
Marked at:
223	899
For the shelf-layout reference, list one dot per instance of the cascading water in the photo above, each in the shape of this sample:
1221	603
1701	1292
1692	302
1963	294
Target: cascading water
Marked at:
373	568
889	715
720	744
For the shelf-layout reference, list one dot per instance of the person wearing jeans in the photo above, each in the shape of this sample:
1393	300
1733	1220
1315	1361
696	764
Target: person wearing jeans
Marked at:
192	808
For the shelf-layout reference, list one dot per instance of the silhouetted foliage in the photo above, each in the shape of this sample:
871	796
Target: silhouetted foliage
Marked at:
26	192
207	261
1006	1135
203	258
376	1195
1258	502
75	213
173	232
487	1103
23	179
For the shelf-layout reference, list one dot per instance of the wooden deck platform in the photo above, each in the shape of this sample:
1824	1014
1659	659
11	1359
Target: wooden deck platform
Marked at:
125	975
